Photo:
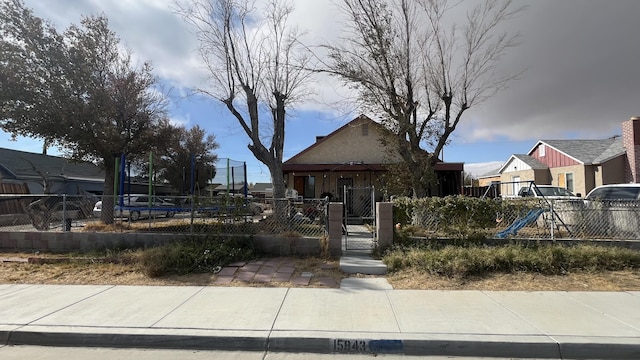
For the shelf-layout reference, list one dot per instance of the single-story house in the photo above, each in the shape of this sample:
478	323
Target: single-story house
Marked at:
233	188
42	174
262	190
49	174
489	177
578	165
353	155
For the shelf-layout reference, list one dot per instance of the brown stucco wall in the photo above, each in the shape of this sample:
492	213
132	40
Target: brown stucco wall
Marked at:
507	189
348	145
578	172
486	181
539	176
590	180
613	171
542	176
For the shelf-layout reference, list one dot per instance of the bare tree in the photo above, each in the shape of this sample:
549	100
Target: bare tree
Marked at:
257	69
419	73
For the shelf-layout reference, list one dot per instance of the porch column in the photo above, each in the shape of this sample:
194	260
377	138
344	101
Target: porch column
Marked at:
335	228
384	224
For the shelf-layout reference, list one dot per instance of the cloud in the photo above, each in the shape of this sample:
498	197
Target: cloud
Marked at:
581	75
481	169
580	57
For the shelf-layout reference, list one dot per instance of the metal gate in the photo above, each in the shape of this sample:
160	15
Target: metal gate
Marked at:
359	217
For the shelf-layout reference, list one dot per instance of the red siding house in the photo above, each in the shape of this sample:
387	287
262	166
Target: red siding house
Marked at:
578	165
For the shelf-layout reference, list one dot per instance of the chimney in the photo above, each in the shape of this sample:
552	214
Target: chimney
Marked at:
631	143
318	138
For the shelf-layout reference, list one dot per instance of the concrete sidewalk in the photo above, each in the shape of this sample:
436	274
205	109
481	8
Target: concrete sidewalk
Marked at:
350	319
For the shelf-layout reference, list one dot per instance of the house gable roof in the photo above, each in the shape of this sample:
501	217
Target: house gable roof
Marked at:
262	187
586	152
324	140
22	164
346	150
491	173
532	162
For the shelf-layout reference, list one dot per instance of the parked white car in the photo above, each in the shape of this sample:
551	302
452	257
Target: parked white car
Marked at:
547	191
136	207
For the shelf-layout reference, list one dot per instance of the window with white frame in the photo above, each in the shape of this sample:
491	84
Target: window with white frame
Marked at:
569	181
541	150
515	184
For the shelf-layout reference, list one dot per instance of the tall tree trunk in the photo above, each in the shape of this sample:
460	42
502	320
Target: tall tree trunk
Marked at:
278	180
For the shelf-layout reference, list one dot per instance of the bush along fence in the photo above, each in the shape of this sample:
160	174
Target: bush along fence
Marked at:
460	217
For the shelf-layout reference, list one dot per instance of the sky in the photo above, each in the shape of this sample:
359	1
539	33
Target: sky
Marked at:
580	61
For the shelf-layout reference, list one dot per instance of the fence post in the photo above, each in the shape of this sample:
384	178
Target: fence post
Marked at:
335	228
66	220
553	221
384	224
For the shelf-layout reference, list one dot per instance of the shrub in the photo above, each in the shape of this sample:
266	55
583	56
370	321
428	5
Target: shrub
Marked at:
477	260
197	254
456	217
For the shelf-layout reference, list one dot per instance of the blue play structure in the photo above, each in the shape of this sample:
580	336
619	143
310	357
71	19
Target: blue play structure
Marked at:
520	223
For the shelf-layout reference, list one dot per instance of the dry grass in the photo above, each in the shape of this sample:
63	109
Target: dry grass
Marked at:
85	271
105	273
628	280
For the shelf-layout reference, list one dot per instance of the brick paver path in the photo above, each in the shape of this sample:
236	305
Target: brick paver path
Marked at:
280	270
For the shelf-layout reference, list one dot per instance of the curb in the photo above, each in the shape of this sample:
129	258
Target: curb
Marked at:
140	340
541	347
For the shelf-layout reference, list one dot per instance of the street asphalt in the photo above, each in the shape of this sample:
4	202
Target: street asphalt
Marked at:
363	316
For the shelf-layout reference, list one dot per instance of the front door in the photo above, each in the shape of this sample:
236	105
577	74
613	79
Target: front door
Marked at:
298	184
515	185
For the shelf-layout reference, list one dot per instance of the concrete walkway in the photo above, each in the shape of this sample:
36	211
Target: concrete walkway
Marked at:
357	245
355	318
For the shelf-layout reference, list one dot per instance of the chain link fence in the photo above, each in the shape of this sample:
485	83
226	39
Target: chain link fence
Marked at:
164	214
490	218
531	218
44	212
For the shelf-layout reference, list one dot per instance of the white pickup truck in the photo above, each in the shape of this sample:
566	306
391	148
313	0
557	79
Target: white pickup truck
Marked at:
547	191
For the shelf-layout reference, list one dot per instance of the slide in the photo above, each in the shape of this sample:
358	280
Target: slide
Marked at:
520	223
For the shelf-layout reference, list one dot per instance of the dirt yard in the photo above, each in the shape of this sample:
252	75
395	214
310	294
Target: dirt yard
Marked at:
49	269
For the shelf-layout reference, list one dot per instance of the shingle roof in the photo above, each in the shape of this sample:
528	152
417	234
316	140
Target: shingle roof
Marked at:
25	164
531	161
262	187
589	151
493	172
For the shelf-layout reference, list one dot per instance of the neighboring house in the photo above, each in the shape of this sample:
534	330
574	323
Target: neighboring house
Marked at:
49	174
353	156
233	188
262	190
578	165
489	177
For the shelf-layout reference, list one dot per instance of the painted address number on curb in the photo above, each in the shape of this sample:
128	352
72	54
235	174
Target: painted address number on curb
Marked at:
350	346
367	346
